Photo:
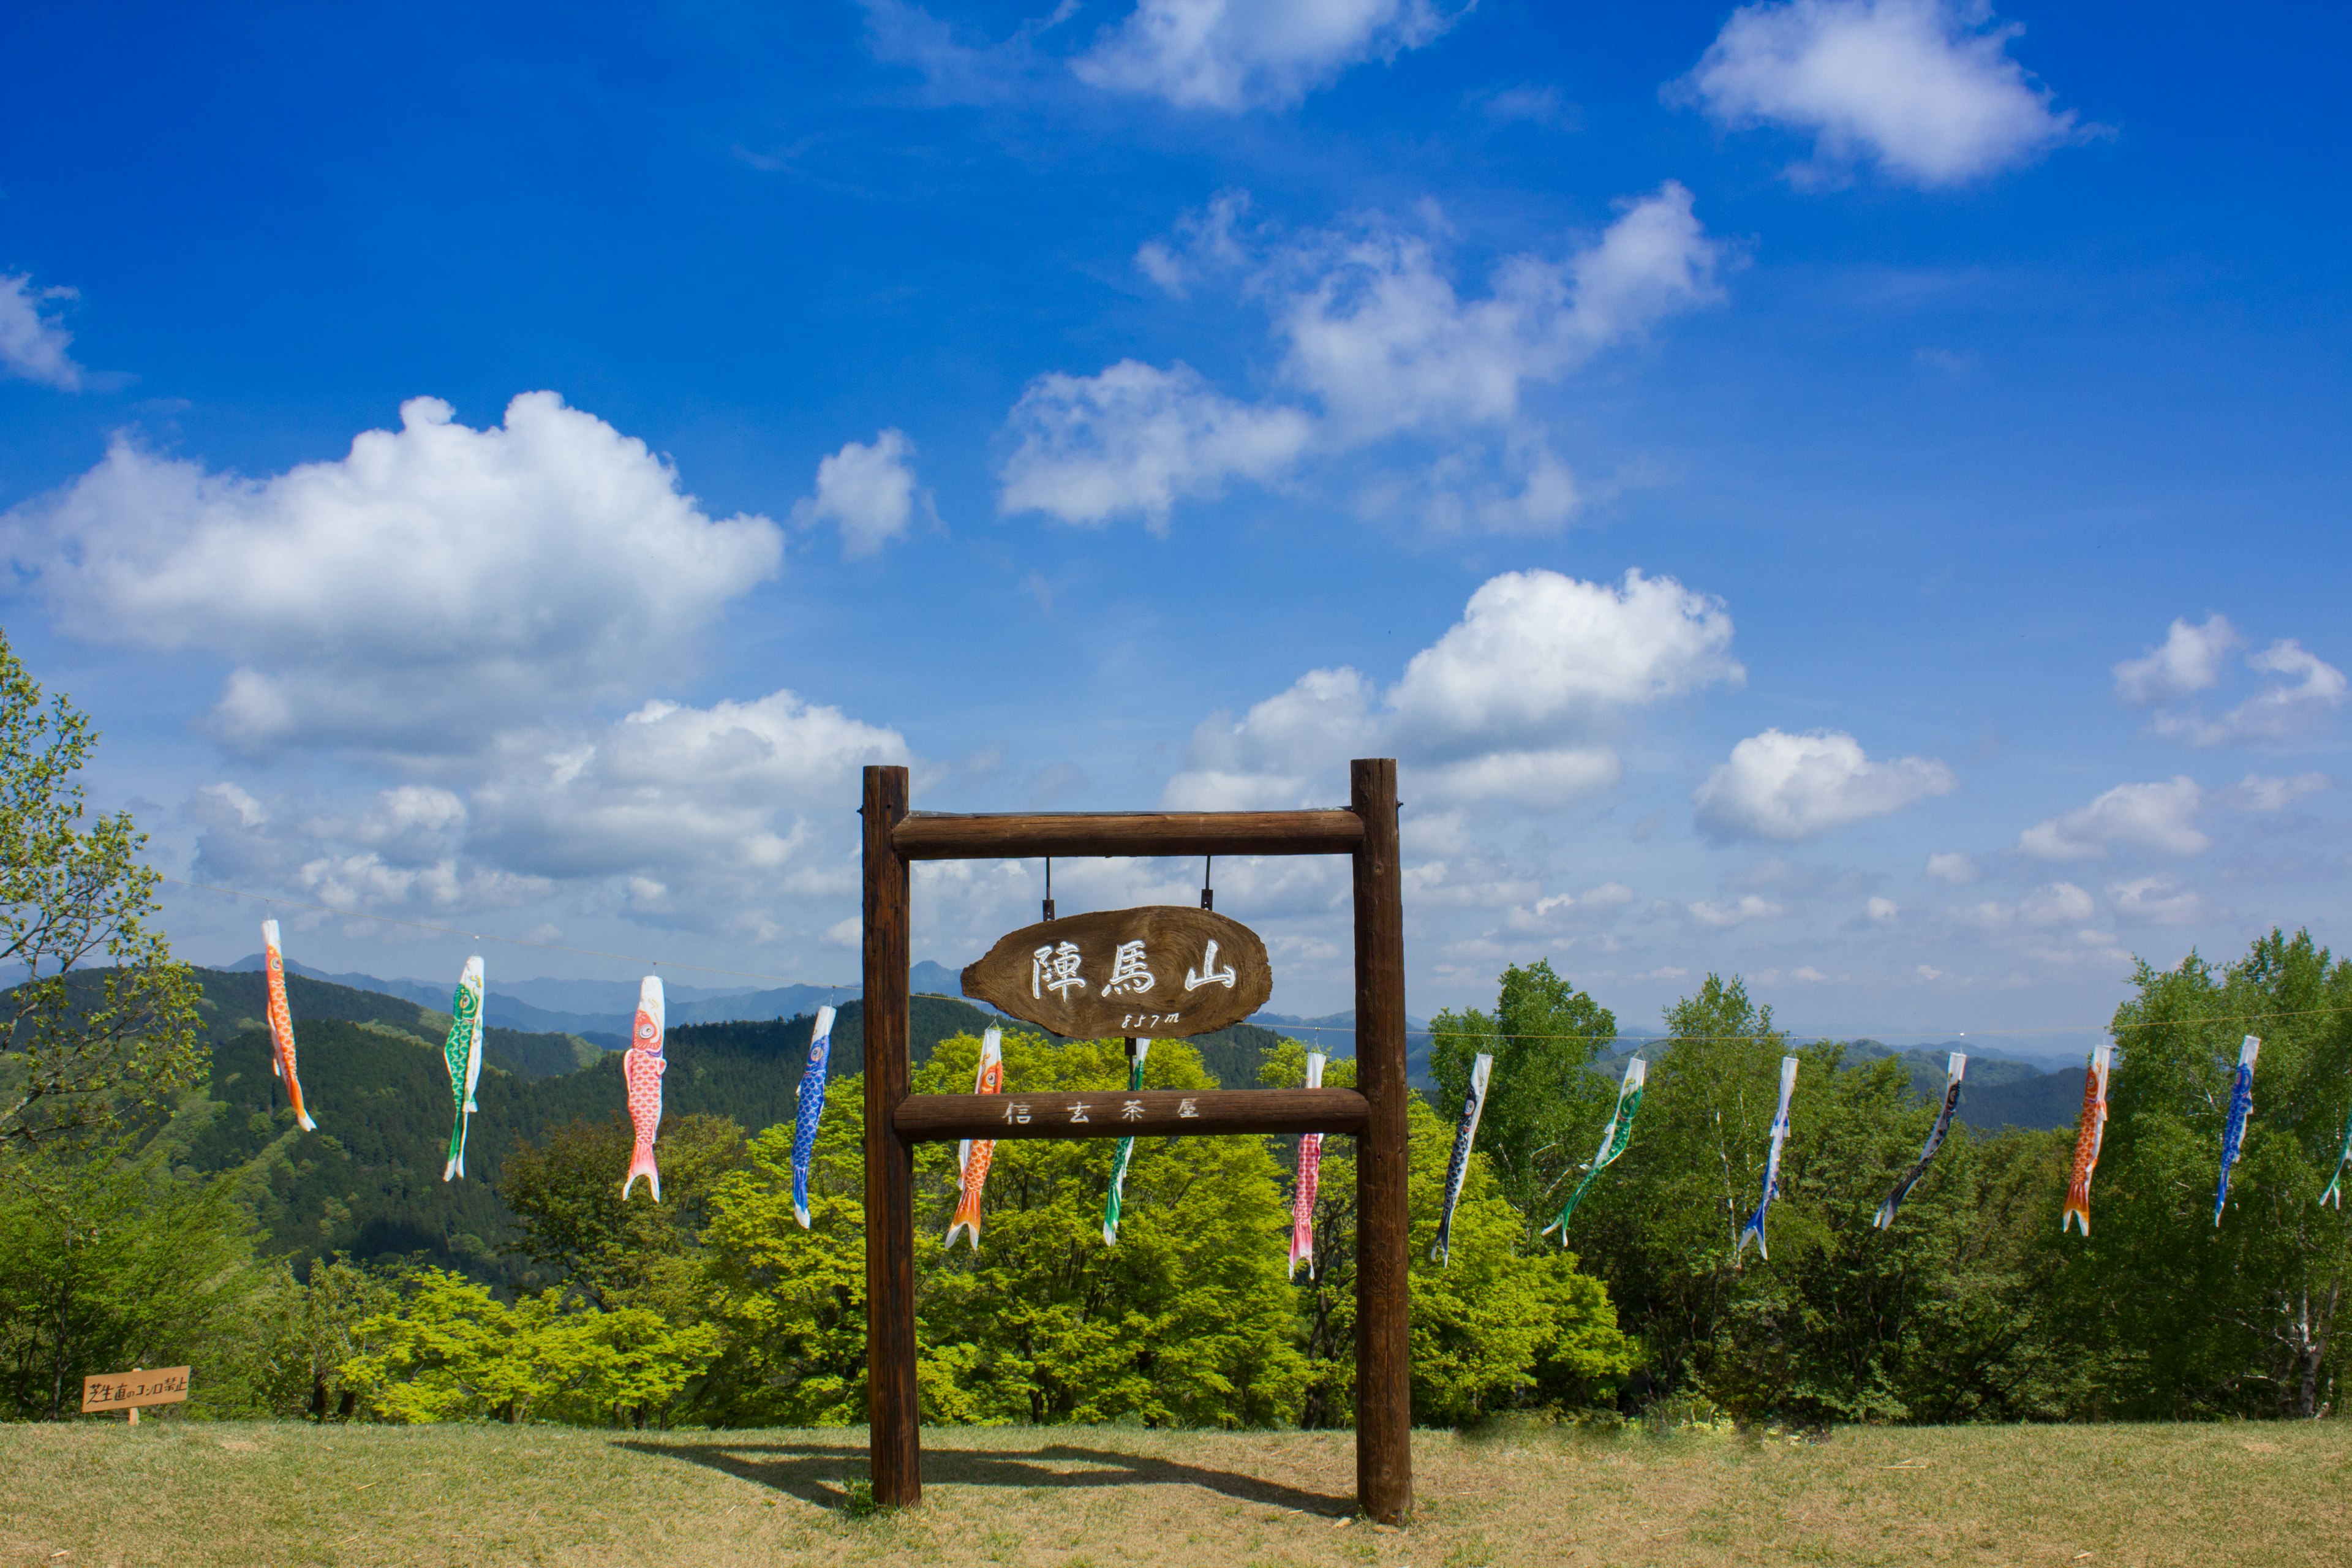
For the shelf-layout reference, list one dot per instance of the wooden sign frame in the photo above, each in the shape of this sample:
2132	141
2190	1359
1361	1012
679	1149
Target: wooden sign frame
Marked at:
1374	1112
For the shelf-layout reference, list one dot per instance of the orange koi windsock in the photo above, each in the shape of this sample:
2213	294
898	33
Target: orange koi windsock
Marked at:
641	1066
281	1023
2086	1141
973	1158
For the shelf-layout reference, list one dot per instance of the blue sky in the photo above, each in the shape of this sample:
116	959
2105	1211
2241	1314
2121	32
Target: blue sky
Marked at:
1771	475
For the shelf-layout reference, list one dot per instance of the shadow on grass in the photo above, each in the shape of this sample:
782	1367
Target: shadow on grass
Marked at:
821	1473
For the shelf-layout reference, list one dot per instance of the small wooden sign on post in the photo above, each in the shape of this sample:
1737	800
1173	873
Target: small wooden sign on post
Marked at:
1165	971
127	1390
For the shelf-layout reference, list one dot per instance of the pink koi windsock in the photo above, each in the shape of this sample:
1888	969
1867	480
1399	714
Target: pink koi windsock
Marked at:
1310	1166
973	1158
641	1066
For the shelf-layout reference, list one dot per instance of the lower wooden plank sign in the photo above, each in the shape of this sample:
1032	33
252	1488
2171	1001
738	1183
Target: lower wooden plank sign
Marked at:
124	1390
1164	972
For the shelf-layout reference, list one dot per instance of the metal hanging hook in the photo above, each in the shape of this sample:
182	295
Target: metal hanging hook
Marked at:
1208	892
1049	886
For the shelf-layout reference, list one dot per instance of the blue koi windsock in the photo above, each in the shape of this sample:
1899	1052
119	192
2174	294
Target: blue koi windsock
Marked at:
811	1111
2241	1104
1754	1230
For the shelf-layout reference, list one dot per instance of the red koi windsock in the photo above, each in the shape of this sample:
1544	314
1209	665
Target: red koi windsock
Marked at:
281	1024
974	1157
2086	1141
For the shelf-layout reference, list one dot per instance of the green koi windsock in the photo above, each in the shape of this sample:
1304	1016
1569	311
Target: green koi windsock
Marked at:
1614	1140
1135	1049
463	1051
2335	1192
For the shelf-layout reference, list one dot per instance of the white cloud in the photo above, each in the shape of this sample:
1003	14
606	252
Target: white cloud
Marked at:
1133	439
1926	87
1808	974
1952	866
436	583
2153	899
33	346
2287	710
868	492
1788	787
1379	335
1537	654
1748	907
1928	971
1507	705
1883	909
1233	55
1375	334
2188	660
2056	903
1270	757
2140	815
2257	793
731	815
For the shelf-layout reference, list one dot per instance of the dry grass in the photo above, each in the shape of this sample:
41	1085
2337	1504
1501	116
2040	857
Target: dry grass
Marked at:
180	1492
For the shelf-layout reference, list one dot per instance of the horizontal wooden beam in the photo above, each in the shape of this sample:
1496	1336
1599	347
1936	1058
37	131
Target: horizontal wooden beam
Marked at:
1017	836
1116	1113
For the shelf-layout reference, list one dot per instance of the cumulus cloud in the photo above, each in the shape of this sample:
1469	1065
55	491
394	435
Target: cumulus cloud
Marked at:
2187	661
1498	707
1788	787
1731	913
2286	709
868	492
1235	55
435	583
2155	900
1952	866
1882	909
1538	653
1378	343
1135	438
2056	903
2154	816
1507	704
1925	87
2258	793
32	343
729	815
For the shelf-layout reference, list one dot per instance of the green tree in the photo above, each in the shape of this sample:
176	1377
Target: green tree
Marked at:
89	1048
792	1301
106	1264
1501	1325
565	1192
1545	1103
2189	1317
1186	1321
454	1351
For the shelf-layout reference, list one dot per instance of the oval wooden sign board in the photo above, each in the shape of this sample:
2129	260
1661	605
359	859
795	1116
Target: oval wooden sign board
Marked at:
1164	972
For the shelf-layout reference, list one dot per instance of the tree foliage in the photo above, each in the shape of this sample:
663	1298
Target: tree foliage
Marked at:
101	1024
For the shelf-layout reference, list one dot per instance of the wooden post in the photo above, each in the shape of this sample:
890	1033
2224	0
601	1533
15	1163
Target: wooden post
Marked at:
1374	1113
1383	1158
893	1406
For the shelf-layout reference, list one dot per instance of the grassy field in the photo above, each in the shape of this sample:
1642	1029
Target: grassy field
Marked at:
188	1493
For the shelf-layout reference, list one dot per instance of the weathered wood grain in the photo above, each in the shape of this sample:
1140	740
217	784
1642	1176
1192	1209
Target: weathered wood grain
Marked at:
1156	1112
1383	1158
1193	973
943	836
893	1408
